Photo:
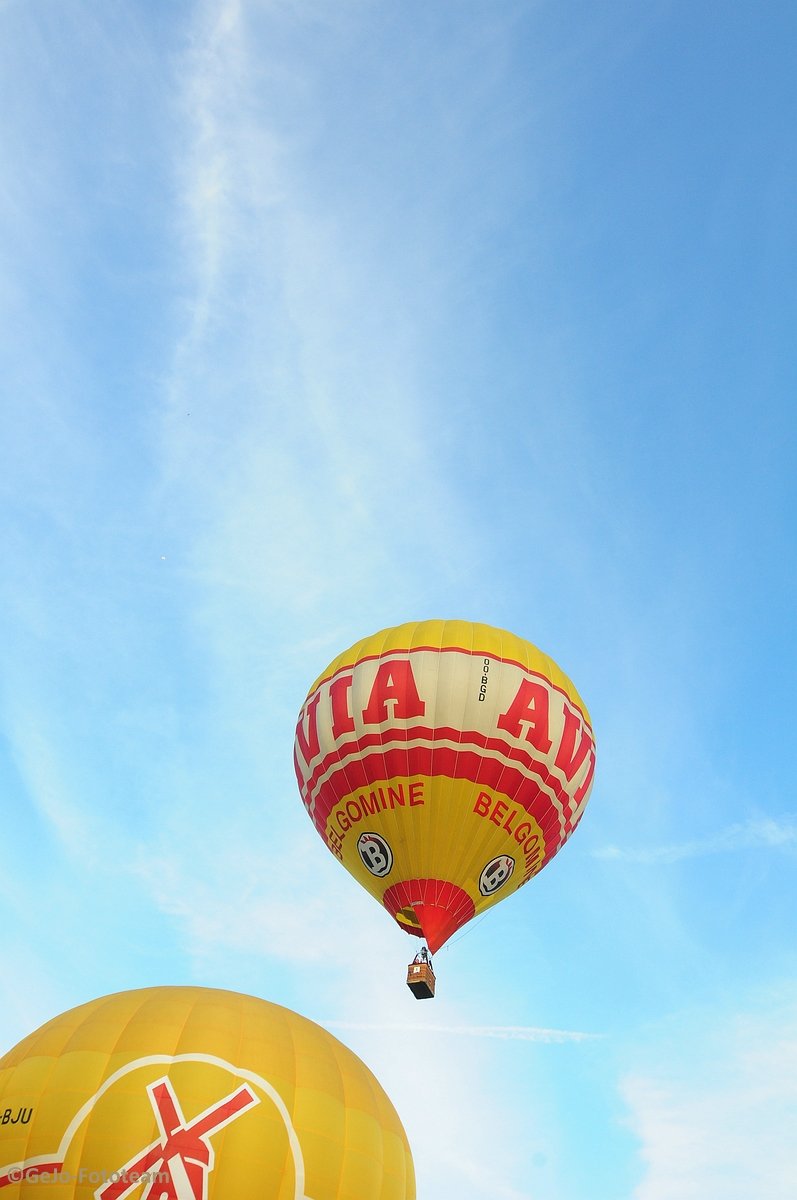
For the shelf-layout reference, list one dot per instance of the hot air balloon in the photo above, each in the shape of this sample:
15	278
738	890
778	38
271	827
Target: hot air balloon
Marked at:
184	1093
444	763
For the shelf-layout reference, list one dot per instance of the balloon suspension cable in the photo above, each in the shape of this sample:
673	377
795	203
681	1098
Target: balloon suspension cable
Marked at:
469	929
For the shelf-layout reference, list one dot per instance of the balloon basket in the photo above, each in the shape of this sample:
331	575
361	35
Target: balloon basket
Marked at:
421	980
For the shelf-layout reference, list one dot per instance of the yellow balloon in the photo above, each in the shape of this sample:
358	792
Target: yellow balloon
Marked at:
444	763
183	1093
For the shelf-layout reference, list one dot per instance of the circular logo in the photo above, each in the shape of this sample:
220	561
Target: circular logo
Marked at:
376	855
495	874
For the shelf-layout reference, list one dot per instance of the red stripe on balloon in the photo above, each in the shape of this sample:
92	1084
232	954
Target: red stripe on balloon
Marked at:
363	773
376	743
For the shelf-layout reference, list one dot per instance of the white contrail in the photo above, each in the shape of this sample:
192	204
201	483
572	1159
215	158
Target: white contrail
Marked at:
512	1033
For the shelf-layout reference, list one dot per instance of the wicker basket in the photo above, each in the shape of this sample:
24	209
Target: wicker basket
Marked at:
420	980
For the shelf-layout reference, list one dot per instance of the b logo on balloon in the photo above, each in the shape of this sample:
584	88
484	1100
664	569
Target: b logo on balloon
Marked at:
376	855
495	874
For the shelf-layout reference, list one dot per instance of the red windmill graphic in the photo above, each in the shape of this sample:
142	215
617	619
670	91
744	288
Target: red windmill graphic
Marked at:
177	1166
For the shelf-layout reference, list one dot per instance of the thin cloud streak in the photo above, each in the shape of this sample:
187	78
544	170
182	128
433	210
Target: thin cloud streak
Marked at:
510	1033
45	779
744	836
285	342
225	172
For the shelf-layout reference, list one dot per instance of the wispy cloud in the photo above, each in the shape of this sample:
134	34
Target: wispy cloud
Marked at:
718	1121
297	428
510	1033
45	777
483	1178
224	170
470	1132
227	894
780	834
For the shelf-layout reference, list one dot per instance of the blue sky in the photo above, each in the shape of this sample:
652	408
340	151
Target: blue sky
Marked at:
317	318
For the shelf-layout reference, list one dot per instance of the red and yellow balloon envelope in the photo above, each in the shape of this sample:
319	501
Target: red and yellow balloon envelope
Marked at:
444	763
180	1093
